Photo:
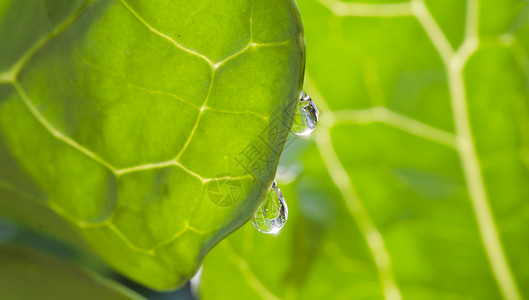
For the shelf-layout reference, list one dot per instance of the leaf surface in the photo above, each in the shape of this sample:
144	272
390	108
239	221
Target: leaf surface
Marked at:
414	186
30	274
122	116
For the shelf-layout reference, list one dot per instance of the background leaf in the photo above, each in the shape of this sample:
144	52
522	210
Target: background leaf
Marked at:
120	116
414	185
29	274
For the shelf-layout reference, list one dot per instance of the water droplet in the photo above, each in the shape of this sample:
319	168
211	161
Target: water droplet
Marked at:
306	117
272	215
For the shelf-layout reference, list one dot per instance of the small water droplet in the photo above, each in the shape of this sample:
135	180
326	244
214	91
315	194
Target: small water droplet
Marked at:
306	117
272	215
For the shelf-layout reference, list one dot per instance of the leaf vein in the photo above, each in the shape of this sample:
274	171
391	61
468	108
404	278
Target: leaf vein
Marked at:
372	235
244	112
56	133
455	63
200	114
340	8
343	182
165	36
10	75
394	119
249	275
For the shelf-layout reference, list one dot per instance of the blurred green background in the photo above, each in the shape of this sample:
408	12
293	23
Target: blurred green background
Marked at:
415	184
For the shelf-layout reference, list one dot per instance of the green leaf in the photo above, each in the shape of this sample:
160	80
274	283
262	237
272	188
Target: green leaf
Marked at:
123	116
414	185
30	274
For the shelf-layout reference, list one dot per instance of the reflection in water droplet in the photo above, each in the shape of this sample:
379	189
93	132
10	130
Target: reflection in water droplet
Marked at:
273	212
306	117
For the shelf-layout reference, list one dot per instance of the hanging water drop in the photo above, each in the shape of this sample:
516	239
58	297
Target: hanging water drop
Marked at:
272	215
307	116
